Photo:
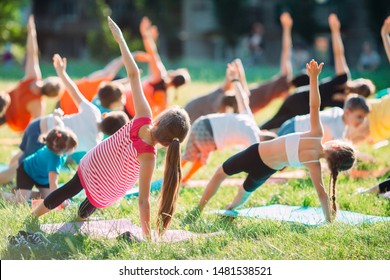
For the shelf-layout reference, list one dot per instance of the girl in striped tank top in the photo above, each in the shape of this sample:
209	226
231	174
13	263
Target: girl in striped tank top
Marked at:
263	159
110	169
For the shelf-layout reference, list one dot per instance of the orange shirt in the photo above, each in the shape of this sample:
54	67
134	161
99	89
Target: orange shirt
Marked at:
156	99
17	116
87	87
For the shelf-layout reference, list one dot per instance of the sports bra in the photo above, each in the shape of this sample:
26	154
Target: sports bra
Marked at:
292	149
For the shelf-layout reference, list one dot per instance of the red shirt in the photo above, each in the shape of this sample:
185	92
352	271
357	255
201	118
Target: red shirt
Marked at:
17	116
87	87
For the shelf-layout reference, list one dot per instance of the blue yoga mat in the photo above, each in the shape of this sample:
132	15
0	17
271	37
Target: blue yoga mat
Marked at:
304	215
155	186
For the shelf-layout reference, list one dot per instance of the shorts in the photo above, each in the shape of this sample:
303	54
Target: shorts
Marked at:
24	181
200	142
30	141
249	161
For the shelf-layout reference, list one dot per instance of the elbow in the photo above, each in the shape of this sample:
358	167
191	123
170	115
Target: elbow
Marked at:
134	74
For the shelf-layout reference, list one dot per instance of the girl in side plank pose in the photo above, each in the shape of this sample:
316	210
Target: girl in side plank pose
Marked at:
263	159
110	169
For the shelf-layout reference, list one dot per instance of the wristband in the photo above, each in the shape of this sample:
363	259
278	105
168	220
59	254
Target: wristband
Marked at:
234	80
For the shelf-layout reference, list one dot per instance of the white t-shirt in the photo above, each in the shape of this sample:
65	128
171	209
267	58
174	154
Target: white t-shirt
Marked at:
331	119
84	124
234	129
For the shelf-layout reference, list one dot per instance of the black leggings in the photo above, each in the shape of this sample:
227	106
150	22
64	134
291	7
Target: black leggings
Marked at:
69	190
249	161
384	186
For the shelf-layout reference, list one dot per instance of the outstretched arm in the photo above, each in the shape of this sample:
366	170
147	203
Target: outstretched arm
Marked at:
149	34
313	70
141	105
316	178
340	62
32	69
385	30
241	197
60	66
285	57
241	97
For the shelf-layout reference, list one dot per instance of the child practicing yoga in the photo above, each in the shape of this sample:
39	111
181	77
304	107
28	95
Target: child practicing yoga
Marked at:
334	120
382	189
333	90
110	169
41	168
220	131
26	101
88	124
260	95
263	159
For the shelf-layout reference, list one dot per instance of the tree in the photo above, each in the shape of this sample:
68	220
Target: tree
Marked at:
11	27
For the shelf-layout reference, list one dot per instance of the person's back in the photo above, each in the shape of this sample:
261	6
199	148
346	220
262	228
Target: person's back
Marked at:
233	129
17	115
331	119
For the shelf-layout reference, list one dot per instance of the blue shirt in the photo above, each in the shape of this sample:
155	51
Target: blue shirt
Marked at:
39	164
96	101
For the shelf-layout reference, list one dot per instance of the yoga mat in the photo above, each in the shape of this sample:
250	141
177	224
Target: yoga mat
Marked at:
114	228
277	178
304	215
154	186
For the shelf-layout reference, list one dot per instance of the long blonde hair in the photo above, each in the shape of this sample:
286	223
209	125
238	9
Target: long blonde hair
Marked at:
173	125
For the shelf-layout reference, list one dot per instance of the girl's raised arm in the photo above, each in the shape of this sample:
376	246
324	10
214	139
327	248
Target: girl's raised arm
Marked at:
149	34
385	30
60	66
141	105
32	69
313	70
340	63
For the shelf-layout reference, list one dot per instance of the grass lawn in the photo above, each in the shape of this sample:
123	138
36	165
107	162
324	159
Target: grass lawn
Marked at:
241	238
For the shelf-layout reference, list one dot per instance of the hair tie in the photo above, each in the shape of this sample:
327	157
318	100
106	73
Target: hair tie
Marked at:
59	135
175	139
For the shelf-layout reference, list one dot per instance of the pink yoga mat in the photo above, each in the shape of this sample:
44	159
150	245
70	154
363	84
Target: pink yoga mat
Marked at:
114	228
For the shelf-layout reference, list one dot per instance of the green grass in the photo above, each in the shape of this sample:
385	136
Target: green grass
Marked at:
241	238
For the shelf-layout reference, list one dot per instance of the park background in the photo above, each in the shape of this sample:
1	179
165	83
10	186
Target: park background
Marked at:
203	35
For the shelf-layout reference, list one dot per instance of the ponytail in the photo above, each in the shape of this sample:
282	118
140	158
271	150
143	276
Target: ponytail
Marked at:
170	188
332	191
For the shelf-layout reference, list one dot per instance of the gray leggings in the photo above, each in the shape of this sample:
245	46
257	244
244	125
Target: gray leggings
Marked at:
69	190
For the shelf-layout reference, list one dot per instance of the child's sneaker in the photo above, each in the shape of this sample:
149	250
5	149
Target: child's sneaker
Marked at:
38	238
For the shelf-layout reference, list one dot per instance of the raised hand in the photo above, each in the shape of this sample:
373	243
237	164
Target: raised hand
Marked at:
334	22
154	32
145	26
115	30
59	63
31	23
231	71
286	20
386	26
313	69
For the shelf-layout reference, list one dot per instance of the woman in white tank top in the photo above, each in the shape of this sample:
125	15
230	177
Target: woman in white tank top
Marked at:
296	150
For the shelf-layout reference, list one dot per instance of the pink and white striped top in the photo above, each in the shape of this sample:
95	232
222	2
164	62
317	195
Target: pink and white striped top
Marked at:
111	168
